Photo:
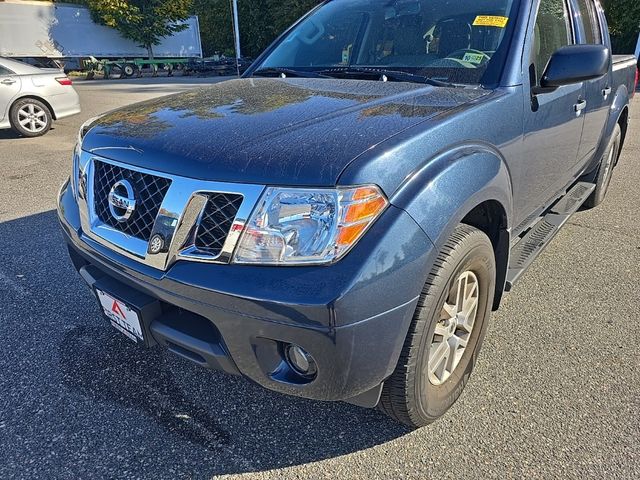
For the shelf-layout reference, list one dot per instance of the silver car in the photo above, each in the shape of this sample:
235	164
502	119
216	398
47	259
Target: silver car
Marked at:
32	98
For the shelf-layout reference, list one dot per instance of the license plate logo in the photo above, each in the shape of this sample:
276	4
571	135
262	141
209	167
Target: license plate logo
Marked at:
121	316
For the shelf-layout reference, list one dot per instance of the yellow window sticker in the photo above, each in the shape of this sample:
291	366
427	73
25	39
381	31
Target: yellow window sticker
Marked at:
490	21
474	58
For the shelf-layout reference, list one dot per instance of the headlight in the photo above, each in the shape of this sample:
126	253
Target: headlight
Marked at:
86	126
75	174
84	129
293	226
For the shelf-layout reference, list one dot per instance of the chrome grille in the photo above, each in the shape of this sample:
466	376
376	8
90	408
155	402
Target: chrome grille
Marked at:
150	191
216	222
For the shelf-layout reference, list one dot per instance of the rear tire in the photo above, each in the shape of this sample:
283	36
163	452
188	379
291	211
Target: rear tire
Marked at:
424	386
30	117
605	171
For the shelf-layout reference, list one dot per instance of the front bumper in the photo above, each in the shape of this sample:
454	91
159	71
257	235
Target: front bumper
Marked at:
352	317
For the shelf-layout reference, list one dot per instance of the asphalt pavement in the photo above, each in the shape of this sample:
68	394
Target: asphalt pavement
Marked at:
556	391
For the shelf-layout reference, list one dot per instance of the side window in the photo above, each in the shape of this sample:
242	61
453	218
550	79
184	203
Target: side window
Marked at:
5	71
552	31
589	20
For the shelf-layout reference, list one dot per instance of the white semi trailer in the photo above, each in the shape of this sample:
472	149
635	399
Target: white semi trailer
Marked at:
64	31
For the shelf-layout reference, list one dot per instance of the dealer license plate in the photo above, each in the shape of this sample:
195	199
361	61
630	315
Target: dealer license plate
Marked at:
122	317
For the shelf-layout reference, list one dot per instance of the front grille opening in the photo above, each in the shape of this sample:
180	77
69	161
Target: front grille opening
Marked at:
186	353
216	222
149	193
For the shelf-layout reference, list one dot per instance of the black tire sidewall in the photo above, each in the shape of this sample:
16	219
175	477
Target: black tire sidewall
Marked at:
433	401
602	187
15	124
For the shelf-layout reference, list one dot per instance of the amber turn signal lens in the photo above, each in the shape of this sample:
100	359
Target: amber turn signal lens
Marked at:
361	207
364	210
363	193
350	234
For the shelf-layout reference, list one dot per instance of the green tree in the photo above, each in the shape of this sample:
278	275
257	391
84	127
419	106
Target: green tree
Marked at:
261	21
624	23
146	22
216	31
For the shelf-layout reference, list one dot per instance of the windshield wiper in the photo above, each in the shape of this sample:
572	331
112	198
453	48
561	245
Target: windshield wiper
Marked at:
287	72
384	75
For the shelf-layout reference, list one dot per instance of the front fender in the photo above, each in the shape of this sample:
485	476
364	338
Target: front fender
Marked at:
441	193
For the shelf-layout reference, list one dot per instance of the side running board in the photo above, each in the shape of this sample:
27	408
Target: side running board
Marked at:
534	241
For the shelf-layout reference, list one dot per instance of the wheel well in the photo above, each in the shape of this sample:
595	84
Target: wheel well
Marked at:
623	121
40	99
491	218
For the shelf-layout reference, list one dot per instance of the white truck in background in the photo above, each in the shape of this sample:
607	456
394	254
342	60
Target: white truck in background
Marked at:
38	30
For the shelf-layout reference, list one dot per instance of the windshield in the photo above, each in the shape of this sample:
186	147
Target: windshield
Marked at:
452	41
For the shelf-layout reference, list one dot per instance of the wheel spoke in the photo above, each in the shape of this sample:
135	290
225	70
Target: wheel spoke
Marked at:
472	289
460	294
457	346
467	318
438	358
40	114
22	113
31	108
24	122
470	308
448	311
457	341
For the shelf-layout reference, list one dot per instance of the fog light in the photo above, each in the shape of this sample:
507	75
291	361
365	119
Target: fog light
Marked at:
301	361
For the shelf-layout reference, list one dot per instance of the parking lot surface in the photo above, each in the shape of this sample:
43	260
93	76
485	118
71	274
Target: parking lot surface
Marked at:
556	392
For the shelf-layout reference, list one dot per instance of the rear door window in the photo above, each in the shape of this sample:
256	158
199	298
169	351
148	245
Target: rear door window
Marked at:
589	20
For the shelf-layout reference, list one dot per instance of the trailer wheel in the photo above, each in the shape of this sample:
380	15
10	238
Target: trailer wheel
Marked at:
129	70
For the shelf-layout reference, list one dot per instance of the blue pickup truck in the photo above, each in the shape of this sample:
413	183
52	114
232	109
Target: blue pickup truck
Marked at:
339	223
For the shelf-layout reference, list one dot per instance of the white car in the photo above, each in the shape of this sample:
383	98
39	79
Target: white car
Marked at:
32	98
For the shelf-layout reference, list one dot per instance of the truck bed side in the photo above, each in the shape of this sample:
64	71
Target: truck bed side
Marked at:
624	71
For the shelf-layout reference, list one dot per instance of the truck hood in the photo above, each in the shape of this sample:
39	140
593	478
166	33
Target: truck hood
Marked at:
267	131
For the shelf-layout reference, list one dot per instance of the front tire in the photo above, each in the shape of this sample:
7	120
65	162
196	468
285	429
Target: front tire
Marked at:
447	331
30	117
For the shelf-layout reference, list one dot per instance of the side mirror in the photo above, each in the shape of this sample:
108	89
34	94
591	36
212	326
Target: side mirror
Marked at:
574	64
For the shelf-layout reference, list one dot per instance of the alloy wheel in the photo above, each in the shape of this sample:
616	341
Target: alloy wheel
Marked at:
453	330
32	118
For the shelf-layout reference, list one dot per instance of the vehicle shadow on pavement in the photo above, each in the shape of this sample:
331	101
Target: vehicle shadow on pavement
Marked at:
164	411
8	134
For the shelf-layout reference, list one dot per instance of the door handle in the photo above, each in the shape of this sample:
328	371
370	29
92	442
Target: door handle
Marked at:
8	81
606	92
579	107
